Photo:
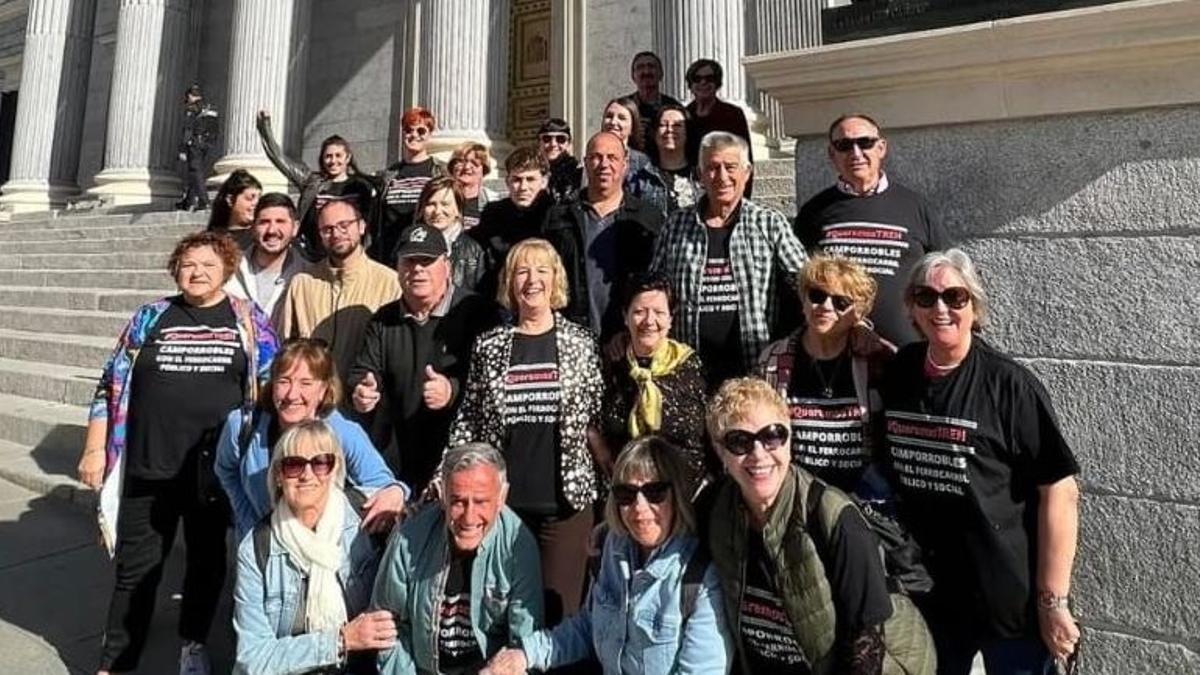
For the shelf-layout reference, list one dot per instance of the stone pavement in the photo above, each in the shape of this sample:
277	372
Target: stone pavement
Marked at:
56	582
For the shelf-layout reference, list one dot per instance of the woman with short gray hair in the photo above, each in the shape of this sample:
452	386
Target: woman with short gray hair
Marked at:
986	478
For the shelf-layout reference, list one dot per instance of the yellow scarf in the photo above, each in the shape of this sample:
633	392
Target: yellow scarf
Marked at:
646	416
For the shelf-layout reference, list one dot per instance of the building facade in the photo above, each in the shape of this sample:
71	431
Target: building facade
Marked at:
94	87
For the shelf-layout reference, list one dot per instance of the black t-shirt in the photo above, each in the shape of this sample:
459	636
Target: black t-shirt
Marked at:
458	650
827	420
887	233
969	451
856	581
720	334
353	189
532	396
400	196
186	379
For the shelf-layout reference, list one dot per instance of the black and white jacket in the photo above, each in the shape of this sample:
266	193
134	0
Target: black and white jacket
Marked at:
481	415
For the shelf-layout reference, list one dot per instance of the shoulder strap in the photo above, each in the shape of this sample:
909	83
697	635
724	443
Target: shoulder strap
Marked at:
693	578
812	516
246	433
262	544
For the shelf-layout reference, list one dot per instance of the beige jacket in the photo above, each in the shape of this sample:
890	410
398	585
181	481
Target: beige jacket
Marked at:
336	304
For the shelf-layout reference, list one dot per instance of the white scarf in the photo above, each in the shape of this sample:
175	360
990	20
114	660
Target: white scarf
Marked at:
318	555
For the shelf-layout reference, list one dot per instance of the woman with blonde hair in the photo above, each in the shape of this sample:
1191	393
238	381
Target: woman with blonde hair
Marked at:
533	391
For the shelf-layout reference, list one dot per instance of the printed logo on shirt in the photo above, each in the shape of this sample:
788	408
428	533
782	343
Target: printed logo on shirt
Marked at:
404	190
827	432
767	630
455	638
196	349
875	246
531	394
931	453
718	292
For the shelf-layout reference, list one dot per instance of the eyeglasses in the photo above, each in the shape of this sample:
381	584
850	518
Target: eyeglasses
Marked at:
561	139
342	226
655	493
818	296
668	126
847	144
698	78
418	131
739	442
955	297
293	467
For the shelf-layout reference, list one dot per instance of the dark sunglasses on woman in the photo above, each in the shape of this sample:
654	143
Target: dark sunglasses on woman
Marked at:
841	303
955	297
655	493
739	442
293	467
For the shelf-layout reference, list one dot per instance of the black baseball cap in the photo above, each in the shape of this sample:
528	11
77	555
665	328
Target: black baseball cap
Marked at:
422	241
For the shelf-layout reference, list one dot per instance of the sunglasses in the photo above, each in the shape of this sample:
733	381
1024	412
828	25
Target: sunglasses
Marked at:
847	144
739	442
841	303
293	467
419	131
655	493
955	297
561	139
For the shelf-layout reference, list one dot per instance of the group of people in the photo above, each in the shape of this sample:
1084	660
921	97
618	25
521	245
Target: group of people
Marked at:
624	419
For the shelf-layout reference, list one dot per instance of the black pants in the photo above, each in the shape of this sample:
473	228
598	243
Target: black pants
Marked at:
197	193
562	541
150	512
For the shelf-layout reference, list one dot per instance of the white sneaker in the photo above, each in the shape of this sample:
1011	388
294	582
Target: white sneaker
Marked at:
193	659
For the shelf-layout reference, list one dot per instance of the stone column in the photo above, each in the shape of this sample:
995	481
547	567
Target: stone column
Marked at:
464	72
145	105
780	26
50	108
267	64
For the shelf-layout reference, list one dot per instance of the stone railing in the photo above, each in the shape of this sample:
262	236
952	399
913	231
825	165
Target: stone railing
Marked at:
873	18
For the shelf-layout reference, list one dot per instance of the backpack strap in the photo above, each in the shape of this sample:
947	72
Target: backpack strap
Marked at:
246	433
693	579
262	544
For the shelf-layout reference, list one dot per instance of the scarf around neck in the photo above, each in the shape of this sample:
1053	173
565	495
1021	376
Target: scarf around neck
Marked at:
646	416
318	555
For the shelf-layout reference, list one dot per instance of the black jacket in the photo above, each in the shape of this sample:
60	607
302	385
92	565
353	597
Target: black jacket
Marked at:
396	348
501	226
636	223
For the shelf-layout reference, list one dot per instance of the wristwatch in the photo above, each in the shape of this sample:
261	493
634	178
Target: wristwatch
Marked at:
1048	601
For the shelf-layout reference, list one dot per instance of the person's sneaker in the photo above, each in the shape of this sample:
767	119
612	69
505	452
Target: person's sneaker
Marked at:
193	659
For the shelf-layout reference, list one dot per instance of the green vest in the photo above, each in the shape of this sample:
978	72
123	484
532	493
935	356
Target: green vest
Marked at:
800	577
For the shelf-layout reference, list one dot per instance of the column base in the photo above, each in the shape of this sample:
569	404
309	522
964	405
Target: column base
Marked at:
36	196
258	165
137	187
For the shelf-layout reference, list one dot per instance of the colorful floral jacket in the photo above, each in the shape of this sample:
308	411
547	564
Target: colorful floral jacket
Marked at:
111	401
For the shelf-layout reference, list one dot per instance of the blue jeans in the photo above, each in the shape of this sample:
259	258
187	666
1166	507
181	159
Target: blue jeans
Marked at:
1011	656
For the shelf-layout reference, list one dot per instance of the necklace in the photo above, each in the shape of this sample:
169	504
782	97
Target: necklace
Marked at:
827	383
937	368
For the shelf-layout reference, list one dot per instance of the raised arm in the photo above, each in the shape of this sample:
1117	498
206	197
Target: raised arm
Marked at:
295	171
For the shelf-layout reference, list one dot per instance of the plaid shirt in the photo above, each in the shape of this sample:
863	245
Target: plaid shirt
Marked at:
762	240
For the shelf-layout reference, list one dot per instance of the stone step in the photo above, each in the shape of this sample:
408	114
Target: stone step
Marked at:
52	382
153	244
175	231
90	262
47	471
53	428
101	299
61	220
81	351
72	322
154	279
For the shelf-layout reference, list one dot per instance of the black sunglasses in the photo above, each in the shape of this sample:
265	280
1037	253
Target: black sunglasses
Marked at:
841	303
739	442
293	467
626	494
847	144
955	297
561	139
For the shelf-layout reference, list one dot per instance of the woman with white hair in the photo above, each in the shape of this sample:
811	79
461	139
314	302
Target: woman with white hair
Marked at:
305	573
986	479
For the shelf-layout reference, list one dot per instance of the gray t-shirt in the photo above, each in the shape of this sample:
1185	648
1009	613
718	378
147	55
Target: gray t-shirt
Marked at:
265	281
601	259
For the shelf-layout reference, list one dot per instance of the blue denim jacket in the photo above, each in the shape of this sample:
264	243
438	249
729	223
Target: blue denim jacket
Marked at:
245	478
632	618
265	604
506	588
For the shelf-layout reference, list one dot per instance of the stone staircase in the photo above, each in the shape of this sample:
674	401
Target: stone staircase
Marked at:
775	184
68	285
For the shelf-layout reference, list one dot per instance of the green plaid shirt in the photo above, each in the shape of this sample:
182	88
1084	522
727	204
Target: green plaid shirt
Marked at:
762	241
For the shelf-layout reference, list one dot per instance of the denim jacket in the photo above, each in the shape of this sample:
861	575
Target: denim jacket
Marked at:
245	478
506	588
632	619
265	604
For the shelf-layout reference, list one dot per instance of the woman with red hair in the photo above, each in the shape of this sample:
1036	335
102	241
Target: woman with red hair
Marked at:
400	184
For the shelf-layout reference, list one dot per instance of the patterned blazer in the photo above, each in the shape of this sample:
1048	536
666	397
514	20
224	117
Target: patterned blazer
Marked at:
481	415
